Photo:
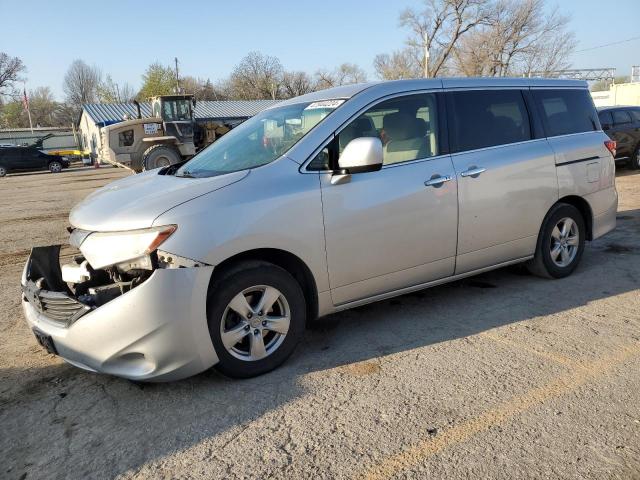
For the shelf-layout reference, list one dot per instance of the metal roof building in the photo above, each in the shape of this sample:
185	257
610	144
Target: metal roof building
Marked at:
97	115
108	113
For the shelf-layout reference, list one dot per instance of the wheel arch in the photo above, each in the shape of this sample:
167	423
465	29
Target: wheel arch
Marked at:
293	264
585	210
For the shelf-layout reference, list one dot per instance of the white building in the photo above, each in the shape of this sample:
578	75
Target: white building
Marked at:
618	94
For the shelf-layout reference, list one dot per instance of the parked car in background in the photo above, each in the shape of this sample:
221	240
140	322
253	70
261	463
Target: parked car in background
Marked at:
622	124
15	159
322	203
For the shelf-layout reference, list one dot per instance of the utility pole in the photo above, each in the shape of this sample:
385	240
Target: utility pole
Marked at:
426	56
25	102
177	77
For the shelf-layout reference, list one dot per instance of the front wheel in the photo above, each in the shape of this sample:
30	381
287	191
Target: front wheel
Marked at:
3	171
561	243
158	156
256	315
55	167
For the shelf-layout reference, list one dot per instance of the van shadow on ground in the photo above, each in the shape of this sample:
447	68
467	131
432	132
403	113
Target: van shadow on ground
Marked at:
61	419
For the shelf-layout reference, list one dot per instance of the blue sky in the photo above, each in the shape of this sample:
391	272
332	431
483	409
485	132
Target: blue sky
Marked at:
209	38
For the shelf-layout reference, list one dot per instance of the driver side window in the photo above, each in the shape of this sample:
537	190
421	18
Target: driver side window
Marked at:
406	125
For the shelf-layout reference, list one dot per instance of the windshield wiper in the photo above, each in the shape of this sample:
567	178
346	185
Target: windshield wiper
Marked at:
186	174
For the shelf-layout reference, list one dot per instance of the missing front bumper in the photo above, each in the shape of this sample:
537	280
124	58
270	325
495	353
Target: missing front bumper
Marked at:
44	288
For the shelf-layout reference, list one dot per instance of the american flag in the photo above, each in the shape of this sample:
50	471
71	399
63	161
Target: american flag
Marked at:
25	100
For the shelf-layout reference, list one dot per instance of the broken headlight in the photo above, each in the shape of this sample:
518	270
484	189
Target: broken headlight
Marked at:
132	247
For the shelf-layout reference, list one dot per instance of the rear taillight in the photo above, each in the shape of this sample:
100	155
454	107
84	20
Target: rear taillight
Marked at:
611	146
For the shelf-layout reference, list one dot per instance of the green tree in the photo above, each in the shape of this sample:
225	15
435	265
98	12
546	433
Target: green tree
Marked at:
157	80
13	115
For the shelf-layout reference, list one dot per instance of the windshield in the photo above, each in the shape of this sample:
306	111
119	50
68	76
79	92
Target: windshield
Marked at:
176	110
259	140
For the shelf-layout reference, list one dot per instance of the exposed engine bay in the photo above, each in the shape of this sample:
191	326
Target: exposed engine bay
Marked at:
63	293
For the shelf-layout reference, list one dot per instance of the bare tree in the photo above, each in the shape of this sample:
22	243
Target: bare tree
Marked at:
518	37
438	28
43	107
81	83
11	69
345	74
400	64
296	83
109	91
257	76
201	89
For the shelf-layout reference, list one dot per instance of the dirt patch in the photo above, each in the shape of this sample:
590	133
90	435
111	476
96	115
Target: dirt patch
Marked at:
37	218
13	258
361	369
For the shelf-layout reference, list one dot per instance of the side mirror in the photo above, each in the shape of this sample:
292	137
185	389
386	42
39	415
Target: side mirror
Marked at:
361	155
606	126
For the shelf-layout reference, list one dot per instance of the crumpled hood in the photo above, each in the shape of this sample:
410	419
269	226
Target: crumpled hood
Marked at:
134	202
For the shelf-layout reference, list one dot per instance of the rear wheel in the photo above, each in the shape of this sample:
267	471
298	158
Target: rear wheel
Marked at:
256	316
55	166
3	171
561	243
159	156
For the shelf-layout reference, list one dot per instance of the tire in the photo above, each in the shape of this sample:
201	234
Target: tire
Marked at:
634	161
3	171
159	156
242	332
567	243
55	166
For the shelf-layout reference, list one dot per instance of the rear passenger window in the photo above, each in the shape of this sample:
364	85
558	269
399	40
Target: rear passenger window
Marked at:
485	118
566	111
621	116
407	126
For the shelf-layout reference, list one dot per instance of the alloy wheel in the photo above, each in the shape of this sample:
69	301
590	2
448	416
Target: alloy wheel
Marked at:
565	240
255	323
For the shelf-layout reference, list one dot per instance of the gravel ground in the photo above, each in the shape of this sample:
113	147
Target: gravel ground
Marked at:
503	375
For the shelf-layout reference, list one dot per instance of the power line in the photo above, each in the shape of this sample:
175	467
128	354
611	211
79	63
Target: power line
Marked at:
608	44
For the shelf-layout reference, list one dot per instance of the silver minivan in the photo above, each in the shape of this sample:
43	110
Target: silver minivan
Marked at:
322	203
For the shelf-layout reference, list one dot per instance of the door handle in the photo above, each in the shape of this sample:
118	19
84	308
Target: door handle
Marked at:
438	181
473	172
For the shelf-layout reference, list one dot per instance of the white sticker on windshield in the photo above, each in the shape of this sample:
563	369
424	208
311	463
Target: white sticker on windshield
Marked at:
325	104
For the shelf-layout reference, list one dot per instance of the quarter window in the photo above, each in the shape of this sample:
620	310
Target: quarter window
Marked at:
125	139
566	111
487	118
621	116
407	127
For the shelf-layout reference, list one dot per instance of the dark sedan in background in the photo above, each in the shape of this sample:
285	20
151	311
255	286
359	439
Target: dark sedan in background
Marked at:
15	159
622	124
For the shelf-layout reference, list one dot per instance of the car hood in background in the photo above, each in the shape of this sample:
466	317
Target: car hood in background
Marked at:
134	202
